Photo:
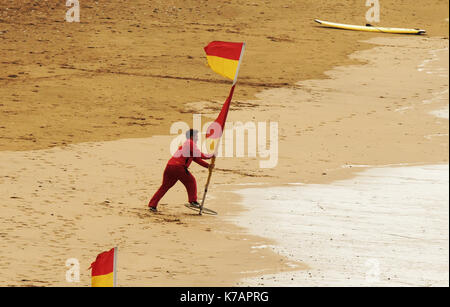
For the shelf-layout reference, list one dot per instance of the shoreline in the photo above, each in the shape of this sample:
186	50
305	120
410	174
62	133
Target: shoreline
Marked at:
284	279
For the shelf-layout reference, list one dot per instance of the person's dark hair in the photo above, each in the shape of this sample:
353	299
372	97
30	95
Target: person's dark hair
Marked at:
190	134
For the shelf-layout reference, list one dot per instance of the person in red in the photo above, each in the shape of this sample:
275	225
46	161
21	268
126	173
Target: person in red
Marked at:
177	169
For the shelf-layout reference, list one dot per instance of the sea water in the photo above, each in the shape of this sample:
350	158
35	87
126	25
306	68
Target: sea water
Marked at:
385	227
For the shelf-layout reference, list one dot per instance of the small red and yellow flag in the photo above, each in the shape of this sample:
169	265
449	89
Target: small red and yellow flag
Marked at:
104	269
224	58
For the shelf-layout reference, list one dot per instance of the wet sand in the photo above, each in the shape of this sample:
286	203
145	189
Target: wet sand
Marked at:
77	201
128	70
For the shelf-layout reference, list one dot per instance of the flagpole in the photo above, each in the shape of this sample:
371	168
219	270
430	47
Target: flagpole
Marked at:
213	160
239	64
115	267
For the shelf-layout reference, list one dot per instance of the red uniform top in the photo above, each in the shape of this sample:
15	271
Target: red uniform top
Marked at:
187	153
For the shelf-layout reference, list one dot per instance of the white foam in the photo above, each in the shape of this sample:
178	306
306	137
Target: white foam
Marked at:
442	113
430	136
386	227
429	67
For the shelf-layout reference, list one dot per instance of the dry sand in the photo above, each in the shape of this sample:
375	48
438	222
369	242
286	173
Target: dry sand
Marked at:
80	199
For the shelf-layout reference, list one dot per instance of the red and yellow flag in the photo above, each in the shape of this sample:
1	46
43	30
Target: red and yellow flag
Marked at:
104	269
224	57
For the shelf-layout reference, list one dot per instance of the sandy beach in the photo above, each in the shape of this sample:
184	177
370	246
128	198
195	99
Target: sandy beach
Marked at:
84	140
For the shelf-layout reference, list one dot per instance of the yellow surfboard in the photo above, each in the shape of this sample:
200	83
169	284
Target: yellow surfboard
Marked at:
370	28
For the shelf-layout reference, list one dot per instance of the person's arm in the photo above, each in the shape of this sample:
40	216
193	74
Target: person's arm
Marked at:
201	162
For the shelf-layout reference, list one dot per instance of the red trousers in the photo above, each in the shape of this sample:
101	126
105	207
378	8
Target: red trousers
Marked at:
172	174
